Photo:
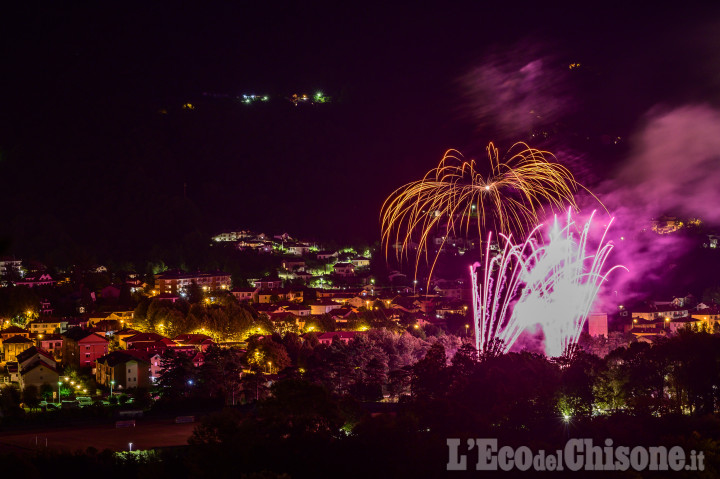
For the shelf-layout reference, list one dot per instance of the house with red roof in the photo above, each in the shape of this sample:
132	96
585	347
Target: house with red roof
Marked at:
344	269
201	342
323	306
123	370
36	374
11	331
147	342
36	367
51	343
82	347
246	294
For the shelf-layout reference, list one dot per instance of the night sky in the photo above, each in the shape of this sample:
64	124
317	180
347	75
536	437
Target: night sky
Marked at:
98	156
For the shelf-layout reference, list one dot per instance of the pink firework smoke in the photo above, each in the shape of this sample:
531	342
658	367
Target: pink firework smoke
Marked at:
549	282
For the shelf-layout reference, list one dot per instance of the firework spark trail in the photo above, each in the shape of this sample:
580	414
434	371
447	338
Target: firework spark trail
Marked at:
552	283
454	196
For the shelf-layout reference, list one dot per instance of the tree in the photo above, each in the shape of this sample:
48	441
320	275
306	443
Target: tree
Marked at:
253	387
31	396
195	293
429	373
125	297
220	374
46	391
10	401
177	374
577	385
267	355
298	410
463	366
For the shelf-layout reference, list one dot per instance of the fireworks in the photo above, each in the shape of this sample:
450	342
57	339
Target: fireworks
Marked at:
454	197
551	282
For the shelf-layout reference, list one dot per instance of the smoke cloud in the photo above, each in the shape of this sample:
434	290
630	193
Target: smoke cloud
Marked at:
673	168
513	91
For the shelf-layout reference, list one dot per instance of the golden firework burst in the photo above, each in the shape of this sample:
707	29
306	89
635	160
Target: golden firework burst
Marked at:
455	197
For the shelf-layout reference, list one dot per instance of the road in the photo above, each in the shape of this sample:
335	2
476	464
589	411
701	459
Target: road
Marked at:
147	434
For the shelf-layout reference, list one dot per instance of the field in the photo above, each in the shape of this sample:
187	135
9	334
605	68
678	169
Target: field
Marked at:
147	434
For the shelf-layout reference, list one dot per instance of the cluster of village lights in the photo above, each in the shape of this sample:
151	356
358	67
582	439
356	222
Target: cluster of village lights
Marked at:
74	384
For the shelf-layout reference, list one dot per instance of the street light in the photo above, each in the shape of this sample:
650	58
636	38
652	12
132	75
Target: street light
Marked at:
59	384
112	384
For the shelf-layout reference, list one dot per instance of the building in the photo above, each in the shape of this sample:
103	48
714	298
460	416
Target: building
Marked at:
125	333
709	316
51	343
299	310
123	317
323	306
660	312
45	307
344	336
450	290
344	269
246	294
175	282
268	283
81	348
170	298
14	346
297	249
280	294
48	326
293	264
155	365
42	279
598	325
123	370
322	255
677	324
143	340
201	342
232	236
12	331
361	262
36	367
10	266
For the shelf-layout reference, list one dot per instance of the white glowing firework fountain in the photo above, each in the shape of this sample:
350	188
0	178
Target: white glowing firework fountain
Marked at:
551	281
